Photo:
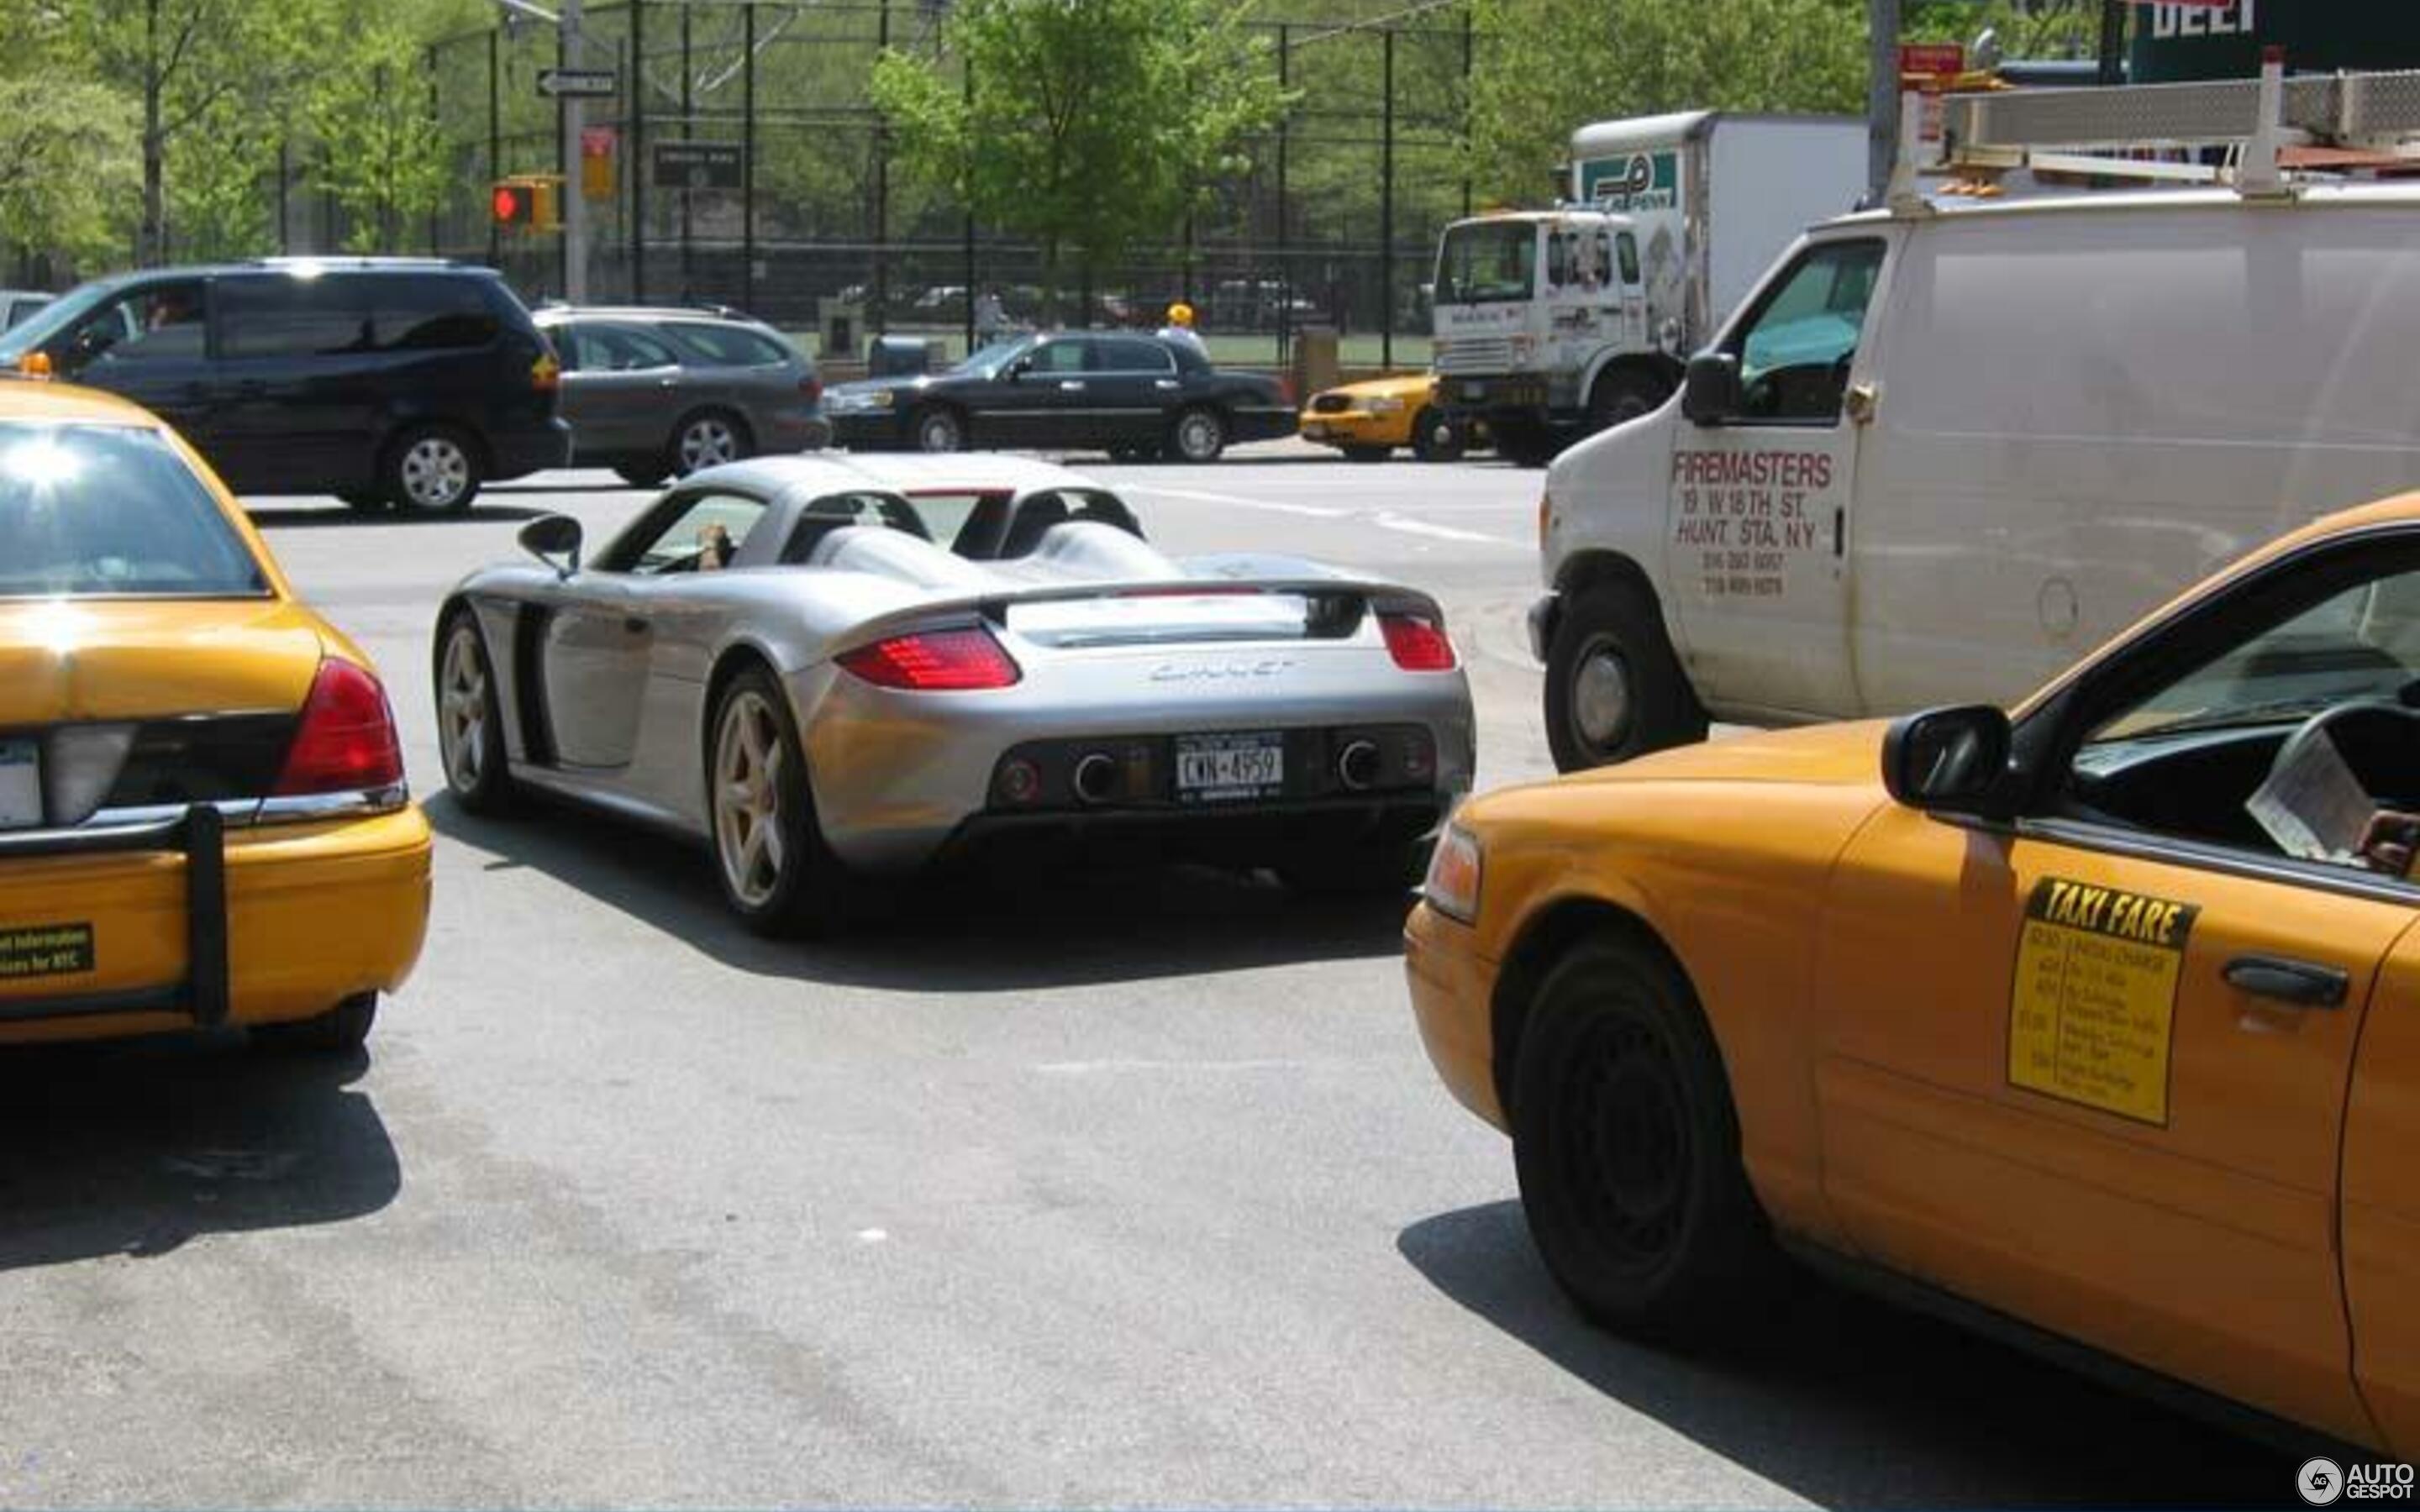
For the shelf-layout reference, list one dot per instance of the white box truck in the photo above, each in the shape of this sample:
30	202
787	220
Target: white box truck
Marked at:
1945	447
1550	324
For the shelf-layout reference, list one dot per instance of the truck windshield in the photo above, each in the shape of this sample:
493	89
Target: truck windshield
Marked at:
1486	262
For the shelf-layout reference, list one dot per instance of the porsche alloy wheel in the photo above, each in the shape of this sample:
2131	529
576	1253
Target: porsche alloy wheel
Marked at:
470	727
707	441
777	873
748	755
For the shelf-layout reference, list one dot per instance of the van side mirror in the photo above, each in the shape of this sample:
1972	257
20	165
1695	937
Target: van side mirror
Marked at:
1952	760
549	536
1017	369
1710	393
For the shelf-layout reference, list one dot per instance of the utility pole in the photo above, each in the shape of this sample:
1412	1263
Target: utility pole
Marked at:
574	200
1881	94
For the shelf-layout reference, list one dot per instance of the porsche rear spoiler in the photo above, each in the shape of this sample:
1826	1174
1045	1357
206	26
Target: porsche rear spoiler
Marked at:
1334	608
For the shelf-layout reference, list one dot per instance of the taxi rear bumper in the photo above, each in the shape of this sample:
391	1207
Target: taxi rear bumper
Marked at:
199	835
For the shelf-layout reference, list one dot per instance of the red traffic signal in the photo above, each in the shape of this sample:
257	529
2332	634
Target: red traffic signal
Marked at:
515	204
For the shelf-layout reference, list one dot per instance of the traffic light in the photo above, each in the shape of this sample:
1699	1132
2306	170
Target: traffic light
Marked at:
527	201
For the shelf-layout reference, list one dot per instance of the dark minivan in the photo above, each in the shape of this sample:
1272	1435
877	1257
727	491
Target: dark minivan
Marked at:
381	380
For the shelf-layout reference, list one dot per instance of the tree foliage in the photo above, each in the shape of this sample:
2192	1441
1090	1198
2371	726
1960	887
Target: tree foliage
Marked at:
1088	125
1546	66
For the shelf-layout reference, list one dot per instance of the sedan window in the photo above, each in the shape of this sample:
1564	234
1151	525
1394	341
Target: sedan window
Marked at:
1130	354
112	511
1058	356
727	346
615	349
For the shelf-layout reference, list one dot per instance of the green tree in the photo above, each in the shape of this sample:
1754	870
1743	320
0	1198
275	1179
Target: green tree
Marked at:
379	150
1544	66
1088	125
67	167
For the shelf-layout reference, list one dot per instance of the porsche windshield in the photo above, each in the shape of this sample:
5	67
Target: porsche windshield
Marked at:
99	510
1486	262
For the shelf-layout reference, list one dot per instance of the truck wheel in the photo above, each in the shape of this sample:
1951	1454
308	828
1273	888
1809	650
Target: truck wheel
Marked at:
1624	394
1627	1148
1437	438
1614	689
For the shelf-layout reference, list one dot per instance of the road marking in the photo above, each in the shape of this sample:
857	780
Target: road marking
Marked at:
1087	1068
1385	519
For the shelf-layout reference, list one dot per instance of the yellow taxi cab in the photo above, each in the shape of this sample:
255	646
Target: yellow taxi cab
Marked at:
1366	420
2097	1023
203	815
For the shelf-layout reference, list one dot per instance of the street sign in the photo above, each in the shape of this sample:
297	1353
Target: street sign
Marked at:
698	166
1932	60
585	83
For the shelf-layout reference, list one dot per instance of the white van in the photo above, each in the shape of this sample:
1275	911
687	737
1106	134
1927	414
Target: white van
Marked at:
1946	448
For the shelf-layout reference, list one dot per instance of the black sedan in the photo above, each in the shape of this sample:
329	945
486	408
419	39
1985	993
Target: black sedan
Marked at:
1134	397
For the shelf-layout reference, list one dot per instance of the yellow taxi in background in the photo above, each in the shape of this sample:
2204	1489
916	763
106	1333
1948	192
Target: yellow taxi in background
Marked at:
1368	421
2097	1024
203	815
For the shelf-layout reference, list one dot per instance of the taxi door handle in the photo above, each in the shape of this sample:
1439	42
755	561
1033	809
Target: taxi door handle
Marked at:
2300	982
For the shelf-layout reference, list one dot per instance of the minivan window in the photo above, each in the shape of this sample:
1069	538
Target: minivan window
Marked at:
156	322
281	315
422	312
727	346
1795	349
112	510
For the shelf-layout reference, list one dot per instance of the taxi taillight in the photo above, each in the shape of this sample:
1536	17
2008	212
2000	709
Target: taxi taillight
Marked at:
344	741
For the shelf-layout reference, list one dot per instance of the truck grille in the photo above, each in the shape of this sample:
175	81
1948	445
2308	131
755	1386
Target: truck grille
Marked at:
1474	354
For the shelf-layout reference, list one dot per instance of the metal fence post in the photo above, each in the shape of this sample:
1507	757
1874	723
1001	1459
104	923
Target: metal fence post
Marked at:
1285	261
637	144
882	194
436	236
967	86
689	134
495	138
1465	111
748	159
1387	200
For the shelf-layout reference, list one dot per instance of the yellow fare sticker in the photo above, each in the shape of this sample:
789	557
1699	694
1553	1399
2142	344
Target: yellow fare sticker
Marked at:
2095	999
46	950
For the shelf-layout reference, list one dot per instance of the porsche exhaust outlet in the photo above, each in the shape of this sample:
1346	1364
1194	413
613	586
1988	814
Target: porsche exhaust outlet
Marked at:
1095	778
1357	767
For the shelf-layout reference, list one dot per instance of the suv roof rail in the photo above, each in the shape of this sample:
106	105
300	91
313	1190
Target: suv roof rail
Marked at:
351	260
2273	129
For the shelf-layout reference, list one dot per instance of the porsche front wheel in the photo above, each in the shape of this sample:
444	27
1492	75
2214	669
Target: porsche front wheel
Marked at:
777	873
470	719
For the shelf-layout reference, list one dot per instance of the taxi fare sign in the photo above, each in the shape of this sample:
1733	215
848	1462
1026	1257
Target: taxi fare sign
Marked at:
2094	1004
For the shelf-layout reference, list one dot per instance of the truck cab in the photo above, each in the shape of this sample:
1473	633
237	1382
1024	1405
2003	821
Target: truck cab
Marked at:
1541	327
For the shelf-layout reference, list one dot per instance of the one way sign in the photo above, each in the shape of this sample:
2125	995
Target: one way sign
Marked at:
555	84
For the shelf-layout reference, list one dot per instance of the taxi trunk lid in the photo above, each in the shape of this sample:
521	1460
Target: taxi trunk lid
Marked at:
73	660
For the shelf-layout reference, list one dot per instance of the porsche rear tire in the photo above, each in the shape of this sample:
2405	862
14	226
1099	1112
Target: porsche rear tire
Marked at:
340	1031
1627	1148
777	873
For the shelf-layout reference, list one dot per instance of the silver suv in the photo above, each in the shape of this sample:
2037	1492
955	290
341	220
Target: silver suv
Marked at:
656	393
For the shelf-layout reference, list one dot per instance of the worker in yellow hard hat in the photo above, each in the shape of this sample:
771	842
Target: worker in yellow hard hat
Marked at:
1179	330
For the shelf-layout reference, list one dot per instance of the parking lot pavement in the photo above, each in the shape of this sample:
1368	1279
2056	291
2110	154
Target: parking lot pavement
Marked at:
1076	1189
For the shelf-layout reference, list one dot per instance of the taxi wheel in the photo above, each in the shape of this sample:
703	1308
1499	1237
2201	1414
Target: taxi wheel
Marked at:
470	719
777	873
1614	689
1628	1149
339	1031
1437	439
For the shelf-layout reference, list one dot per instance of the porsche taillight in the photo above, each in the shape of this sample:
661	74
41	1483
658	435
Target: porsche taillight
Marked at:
1417	643
344	742
934	661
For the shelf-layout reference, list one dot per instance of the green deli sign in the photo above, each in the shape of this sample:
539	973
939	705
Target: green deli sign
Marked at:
1632	182
2176	41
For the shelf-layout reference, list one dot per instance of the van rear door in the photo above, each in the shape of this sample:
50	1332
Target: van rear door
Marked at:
1755	552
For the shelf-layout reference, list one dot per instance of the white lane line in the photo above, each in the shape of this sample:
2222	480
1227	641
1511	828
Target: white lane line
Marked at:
1385	518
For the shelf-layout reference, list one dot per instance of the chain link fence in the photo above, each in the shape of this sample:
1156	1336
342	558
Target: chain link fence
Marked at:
746	166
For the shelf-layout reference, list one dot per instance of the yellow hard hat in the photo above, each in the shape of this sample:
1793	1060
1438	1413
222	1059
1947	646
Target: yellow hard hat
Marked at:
1179	313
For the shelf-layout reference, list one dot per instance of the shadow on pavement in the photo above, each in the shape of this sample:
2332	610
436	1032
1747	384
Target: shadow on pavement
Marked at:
133	1147
1850	1402
1012	932
335	516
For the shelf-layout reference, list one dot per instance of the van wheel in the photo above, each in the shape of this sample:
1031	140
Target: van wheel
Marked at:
1437	438
433	470
1627	1148
1624	394
1614	689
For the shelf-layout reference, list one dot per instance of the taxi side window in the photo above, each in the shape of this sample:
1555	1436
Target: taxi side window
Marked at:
2196	756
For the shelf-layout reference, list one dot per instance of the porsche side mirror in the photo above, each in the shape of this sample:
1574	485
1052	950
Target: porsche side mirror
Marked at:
549	536
1710	393
1952	760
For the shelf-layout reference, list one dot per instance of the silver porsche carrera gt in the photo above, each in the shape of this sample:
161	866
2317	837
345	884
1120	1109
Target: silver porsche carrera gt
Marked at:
830	669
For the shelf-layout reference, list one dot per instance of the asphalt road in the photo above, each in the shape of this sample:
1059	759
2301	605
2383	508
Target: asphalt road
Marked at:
1061	1190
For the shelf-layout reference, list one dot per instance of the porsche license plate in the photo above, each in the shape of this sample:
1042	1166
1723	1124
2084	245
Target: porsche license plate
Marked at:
1224	768
21	784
